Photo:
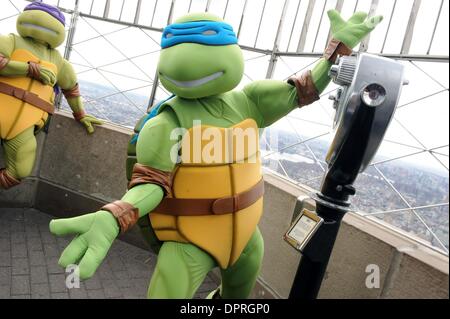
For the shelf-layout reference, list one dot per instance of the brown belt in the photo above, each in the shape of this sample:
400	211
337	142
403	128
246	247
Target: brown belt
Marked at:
27	97
210	206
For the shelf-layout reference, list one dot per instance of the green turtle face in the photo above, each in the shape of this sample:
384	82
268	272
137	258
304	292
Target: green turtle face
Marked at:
42	27
192	70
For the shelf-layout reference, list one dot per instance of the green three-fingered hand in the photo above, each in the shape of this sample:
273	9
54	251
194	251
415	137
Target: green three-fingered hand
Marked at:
47	76
353	31
94	236
88	121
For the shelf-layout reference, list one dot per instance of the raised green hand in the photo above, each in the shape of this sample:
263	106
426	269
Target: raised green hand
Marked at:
353	31
94	235
47	76
89	121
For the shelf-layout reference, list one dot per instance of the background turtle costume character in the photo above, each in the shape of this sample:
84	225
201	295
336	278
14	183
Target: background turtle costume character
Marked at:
30	71
204	215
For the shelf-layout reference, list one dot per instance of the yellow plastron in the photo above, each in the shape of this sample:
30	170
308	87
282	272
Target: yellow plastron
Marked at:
15	115
234	169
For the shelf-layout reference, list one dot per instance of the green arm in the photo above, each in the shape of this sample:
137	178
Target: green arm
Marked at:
320	75
275	99
154	149
20	69
67	79
96	232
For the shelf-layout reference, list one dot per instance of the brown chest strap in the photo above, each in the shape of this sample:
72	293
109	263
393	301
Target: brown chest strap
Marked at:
27	97
210	206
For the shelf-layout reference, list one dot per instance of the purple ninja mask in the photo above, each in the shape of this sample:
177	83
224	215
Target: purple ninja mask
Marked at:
51	10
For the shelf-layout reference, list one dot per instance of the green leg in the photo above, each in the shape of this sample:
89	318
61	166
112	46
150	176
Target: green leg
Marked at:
238	280
20	154
180	270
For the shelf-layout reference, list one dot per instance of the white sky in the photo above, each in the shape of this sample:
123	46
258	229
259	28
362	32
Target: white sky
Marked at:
427	119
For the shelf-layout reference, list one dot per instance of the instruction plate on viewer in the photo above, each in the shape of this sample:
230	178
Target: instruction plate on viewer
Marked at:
303	228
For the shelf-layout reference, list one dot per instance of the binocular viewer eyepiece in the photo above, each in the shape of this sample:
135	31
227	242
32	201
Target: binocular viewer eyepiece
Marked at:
365	103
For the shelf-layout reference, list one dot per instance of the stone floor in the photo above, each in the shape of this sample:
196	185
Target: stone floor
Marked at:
29	264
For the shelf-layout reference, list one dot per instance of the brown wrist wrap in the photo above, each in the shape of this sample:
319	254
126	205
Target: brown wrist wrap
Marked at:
78	116
336	48
6	180
34	70
73	92
125	214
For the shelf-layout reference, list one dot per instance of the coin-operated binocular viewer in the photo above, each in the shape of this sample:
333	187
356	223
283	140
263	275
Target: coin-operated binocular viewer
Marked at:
370	87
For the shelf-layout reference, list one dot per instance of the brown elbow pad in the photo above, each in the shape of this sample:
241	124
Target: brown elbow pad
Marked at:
3	61
34	70
73	92
125	214
147	175
336	48
306	90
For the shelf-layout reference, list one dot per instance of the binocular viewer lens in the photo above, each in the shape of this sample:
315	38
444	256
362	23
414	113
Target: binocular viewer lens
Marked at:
373	95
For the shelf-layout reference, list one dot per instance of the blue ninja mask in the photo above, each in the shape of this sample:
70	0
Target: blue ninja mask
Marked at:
201	32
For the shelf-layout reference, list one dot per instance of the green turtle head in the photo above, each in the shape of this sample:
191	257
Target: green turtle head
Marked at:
193	70
43	23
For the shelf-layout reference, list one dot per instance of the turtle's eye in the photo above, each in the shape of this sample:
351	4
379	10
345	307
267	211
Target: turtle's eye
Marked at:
209	32
169	35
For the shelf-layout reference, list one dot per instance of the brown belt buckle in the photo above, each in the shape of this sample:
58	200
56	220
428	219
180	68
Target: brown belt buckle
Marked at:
19	93
225	205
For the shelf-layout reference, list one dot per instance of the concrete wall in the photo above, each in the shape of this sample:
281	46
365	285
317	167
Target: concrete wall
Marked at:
77	173
88	164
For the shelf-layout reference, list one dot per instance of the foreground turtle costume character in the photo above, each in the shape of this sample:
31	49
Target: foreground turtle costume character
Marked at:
30	70
204	213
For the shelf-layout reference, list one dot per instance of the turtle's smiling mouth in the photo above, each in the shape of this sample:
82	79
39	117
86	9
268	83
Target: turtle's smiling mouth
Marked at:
39	27
194	83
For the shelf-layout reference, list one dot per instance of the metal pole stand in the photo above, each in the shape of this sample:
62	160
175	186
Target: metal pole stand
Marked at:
365	103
